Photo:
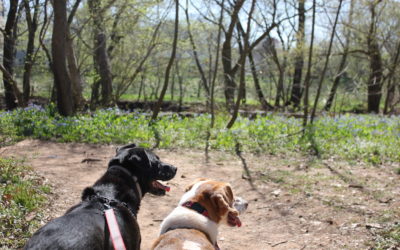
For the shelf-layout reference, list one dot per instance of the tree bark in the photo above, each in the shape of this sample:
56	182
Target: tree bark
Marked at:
142	82
42	35
375	62
265	105
61	78
391	88
32	23
328	54
73	68
229	74
75	74
157	107
242	63
100	57
11	98
180	83
307	79
297	89
281	69
152	45
342	64
196	57
389	96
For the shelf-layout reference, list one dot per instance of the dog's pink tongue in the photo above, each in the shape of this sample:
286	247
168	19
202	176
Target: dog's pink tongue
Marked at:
159	185
238	222
234	220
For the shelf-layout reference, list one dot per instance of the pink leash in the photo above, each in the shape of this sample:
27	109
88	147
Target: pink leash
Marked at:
113	227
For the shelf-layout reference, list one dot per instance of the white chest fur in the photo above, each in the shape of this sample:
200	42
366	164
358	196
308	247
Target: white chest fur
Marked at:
182	217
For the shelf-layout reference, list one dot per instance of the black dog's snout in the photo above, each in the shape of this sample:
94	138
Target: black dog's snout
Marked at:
173	169
166	172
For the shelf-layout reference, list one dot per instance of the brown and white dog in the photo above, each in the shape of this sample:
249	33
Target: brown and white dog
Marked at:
193	224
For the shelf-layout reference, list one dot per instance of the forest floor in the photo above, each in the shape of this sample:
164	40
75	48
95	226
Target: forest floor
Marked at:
294	202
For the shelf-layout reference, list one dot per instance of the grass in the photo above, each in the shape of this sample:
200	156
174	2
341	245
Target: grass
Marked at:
22	195
371	138
388	238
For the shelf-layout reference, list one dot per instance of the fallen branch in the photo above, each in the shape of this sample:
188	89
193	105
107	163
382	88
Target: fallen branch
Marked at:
87	160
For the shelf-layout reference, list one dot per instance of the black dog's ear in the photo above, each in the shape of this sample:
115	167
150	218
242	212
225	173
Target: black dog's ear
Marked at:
132	145
119	158
87	193
137	157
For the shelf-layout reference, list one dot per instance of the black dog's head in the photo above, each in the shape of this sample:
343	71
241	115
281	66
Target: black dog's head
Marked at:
146	166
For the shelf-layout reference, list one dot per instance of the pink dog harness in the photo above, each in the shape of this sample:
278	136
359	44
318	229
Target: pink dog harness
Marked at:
115	233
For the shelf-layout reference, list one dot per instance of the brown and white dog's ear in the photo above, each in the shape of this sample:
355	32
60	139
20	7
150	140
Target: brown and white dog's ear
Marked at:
223	201
192	184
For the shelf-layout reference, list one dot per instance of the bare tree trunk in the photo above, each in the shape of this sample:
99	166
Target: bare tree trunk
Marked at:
229	71
95	94
115	37
328	54
11	97
172	86
280	95
307	79
181	90
157	107
240	45
142	81
281	69
265	105
61	78
297	89
42	35
389	96
342	64
152	45
242	64
375	61
196	57
101	59
216	64
391	89
73	68
213	78
75	74
229	74
32	23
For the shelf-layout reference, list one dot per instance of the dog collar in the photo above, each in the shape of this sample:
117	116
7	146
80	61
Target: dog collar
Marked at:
135	179
196	207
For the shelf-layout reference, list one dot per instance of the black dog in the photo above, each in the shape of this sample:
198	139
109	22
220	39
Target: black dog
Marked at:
130	175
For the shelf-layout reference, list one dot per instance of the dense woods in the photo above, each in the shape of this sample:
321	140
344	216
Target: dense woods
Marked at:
271	55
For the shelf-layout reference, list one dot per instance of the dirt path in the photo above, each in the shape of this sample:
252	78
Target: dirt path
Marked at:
280	215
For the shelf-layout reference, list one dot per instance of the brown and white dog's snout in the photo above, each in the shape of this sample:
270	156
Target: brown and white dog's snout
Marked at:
240	204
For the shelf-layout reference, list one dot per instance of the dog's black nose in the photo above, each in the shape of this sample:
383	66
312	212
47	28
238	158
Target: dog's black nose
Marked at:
174	169
166	172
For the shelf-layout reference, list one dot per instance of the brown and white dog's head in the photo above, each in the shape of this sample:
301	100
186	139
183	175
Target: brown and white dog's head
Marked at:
194	223
217	198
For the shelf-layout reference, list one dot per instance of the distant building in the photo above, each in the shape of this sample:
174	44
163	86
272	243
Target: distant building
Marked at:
263	51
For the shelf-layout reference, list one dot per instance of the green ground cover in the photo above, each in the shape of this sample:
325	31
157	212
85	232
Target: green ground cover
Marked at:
22	195
371	138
